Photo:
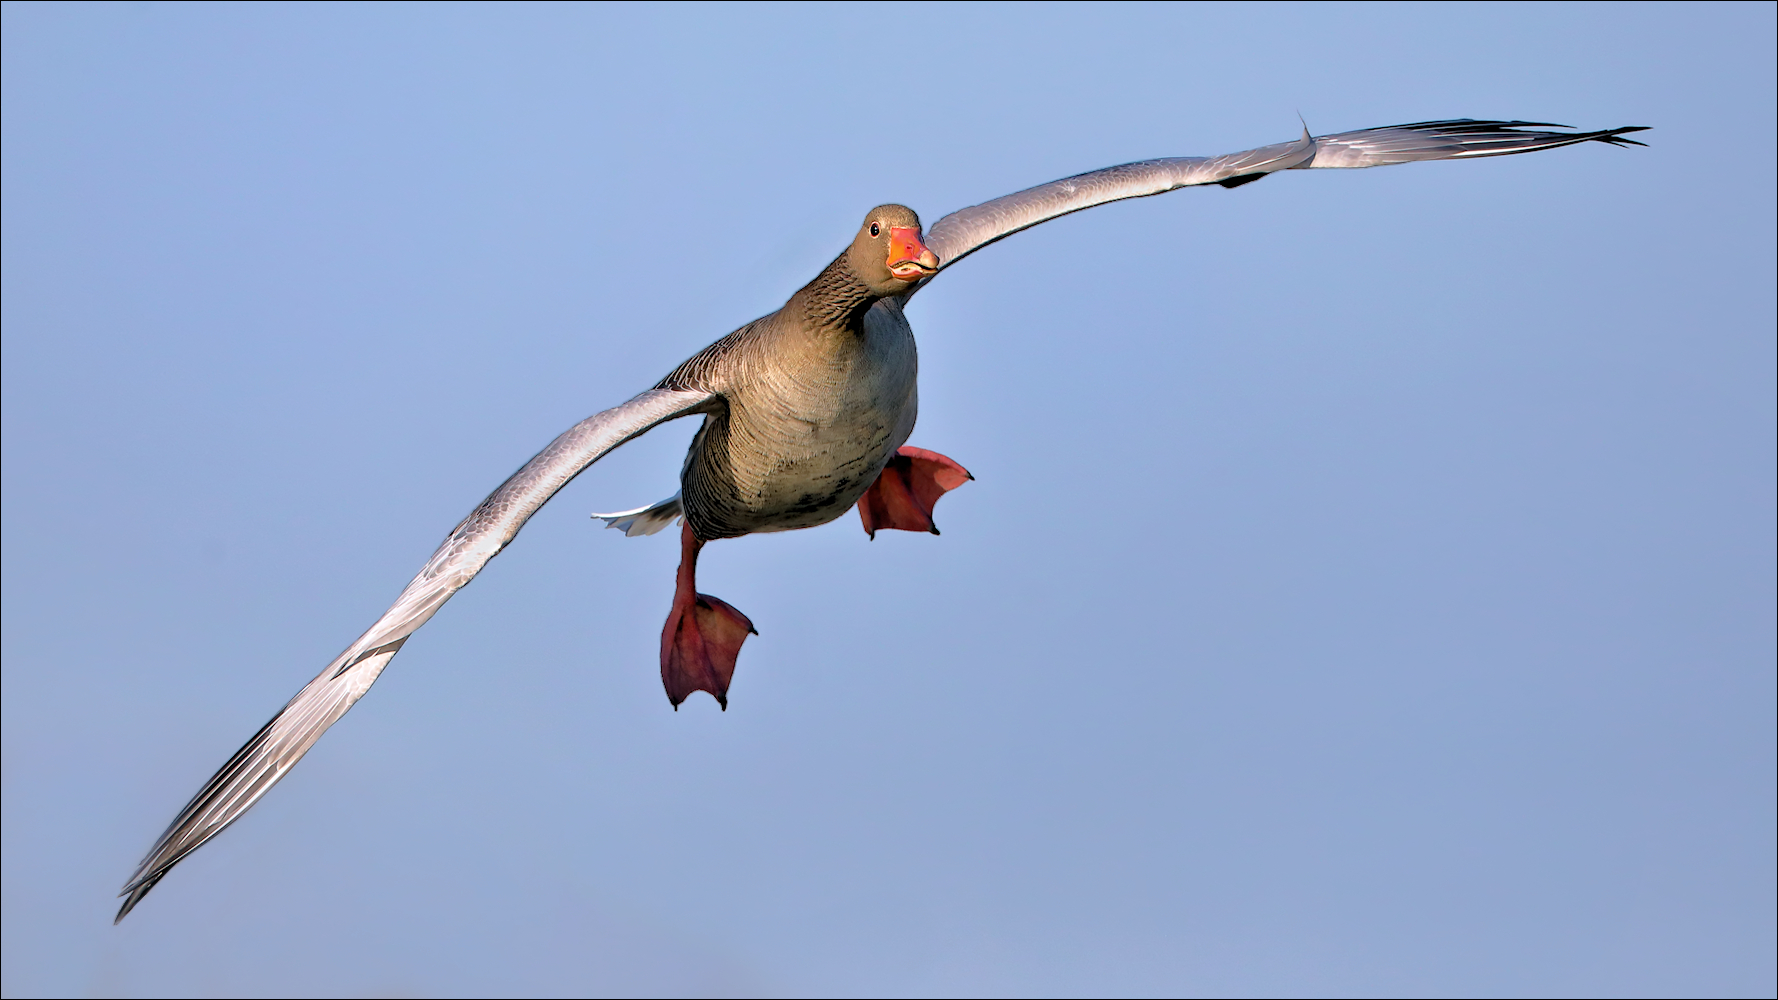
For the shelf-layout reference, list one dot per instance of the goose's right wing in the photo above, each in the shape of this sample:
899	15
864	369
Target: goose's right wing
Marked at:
270	754
963	232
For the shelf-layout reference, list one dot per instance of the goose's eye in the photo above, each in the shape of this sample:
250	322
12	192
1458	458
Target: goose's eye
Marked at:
873	229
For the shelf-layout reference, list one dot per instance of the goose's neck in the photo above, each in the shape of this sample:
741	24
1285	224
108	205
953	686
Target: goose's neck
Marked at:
836	300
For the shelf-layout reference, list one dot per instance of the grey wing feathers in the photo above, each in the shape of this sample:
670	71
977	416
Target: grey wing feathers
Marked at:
963	232
258	765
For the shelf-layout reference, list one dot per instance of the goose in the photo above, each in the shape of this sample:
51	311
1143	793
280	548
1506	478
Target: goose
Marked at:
806	413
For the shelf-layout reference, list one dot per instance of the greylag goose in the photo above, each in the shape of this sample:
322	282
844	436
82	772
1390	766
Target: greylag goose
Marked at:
807	412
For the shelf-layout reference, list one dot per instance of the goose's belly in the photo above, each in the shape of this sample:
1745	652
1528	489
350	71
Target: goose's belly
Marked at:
799	445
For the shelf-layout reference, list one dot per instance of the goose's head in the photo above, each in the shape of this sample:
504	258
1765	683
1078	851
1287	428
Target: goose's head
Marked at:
888	253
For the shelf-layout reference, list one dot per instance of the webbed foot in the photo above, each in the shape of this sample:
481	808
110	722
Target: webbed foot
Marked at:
905	492
702	637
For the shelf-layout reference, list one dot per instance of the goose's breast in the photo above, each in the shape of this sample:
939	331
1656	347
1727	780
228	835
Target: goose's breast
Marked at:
801	442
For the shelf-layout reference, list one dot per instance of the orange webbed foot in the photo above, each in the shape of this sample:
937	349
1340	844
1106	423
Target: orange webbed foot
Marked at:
907	489
702	637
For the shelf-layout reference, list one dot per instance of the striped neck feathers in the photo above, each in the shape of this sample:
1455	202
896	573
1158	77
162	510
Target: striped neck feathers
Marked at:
837	299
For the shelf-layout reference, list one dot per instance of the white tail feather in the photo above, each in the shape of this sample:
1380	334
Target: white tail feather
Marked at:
644	520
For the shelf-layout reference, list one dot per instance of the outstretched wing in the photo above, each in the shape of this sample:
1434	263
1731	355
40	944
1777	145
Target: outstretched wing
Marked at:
272	751
963	232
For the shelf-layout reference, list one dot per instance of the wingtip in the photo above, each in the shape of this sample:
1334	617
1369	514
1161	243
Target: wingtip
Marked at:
1615	137
133	894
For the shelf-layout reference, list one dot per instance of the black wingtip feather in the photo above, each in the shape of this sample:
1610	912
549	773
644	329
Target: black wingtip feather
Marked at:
1482	126
134	896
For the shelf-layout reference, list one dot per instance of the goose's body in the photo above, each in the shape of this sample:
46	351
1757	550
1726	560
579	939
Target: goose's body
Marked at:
810	414
806	412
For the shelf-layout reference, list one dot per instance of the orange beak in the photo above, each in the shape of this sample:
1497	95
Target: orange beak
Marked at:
909	259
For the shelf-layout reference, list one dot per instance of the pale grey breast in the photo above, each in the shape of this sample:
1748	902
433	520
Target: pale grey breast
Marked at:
812	416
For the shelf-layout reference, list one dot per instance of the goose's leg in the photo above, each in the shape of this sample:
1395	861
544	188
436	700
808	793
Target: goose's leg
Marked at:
904	494
703	635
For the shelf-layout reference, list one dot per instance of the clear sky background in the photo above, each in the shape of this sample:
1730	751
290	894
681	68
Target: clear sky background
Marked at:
1367	588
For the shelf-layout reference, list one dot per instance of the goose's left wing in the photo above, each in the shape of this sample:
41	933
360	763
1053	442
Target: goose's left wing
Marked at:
963	232
272	751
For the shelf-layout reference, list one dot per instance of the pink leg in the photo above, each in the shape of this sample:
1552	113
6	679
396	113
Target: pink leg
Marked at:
702	637
904	494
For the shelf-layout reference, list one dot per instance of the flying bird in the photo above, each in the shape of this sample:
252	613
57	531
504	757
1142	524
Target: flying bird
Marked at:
806	414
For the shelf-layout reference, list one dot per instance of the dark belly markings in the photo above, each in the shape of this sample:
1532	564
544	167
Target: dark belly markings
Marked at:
810	503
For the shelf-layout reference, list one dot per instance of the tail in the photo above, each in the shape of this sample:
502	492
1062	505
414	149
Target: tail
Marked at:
645	520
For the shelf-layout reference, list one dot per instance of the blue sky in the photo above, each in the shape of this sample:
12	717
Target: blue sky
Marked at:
1367	588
